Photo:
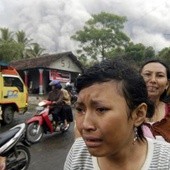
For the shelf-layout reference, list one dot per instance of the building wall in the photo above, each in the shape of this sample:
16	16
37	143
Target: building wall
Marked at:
65	63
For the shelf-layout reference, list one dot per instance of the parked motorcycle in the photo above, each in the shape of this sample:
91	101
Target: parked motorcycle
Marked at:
14	148
42	122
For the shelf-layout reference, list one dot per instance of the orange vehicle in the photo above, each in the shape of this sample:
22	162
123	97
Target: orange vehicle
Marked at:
13	94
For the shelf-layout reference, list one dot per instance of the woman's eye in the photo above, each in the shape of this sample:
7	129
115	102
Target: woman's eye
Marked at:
102	110
146	75
161	75
79	110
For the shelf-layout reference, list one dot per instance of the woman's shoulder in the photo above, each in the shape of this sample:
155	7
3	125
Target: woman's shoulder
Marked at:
167	109
161	145
80	143
79	148
78	156
161	154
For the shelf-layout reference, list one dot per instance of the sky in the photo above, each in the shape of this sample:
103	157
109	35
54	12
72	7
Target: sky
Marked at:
51	22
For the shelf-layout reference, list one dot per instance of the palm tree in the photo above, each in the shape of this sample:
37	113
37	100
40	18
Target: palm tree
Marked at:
21	38
23	41
6	35
8	47
35	51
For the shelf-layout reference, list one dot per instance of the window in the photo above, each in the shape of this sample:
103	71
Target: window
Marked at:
13	82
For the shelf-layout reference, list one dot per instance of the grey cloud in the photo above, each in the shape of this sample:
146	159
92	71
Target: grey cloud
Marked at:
51	22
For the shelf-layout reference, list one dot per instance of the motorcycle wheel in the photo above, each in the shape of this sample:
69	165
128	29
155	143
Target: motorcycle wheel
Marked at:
18	159
34	132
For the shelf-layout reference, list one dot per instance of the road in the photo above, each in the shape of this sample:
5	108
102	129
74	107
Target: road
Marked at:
50	153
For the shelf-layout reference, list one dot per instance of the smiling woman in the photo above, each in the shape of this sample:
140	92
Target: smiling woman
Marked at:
111	109
156	74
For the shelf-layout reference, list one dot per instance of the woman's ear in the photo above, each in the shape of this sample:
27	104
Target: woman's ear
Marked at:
139	114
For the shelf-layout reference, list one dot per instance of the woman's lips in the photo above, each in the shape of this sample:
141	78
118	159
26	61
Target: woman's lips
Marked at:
152	88
92	142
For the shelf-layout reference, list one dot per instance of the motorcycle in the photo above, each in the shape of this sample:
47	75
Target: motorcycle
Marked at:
14	147
42	122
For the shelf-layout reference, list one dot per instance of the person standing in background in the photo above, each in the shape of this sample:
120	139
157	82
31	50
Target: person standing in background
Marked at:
67	110
156	75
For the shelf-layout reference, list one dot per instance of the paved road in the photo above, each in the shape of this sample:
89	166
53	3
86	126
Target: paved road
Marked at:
51	152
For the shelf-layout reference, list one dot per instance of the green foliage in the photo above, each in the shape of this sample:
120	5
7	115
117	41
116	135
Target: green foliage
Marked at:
138	52
6	35
164	54
101	36
34	51
150	52
9	48
15	46
9	51
22	38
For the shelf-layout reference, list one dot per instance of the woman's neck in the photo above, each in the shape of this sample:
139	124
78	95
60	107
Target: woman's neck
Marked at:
156	101
159	113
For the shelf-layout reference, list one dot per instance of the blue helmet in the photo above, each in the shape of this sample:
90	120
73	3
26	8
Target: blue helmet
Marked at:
55	83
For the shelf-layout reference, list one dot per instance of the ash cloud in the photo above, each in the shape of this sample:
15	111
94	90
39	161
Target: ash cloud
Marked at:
51	22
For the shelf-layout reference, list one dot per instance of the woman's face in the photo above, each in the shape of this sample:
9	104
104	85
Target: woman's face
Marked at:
102	119
155	76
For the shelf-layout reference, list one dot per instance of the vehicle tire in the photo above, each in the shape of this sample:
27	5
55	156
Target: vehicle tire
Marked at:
18	159
8	115
34	132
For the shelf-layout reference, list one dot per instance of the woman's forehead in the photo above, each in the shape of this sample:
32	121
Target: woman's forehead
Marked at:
154	67
99	90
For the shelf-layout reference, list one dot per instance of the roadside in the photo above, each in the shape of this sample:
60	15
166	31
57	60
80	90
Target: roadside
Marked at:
33	101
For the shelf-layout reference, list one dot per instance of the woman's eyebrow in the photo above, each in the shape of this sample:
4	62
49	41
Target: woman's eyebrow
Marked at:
150	71
80	103
96	102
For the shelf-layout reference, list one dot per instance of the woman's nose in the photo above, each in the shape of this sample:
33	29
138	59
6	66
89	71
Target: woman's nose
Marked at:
88	122
153	78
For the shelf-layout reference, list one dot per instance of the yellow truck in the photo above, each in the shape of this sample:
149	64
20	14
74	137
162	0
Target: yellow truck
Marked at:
13	94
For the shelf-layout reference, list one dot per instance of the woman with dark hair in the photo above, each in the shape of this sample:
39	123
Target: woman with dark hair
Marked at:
156	74
111	108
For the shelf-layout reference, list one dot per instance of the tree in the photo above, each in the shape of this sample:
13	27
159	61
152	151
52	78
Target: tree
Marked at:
35	50
22	39
17	46
101	36
150	52
138	52
9	49
164	54
6	35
